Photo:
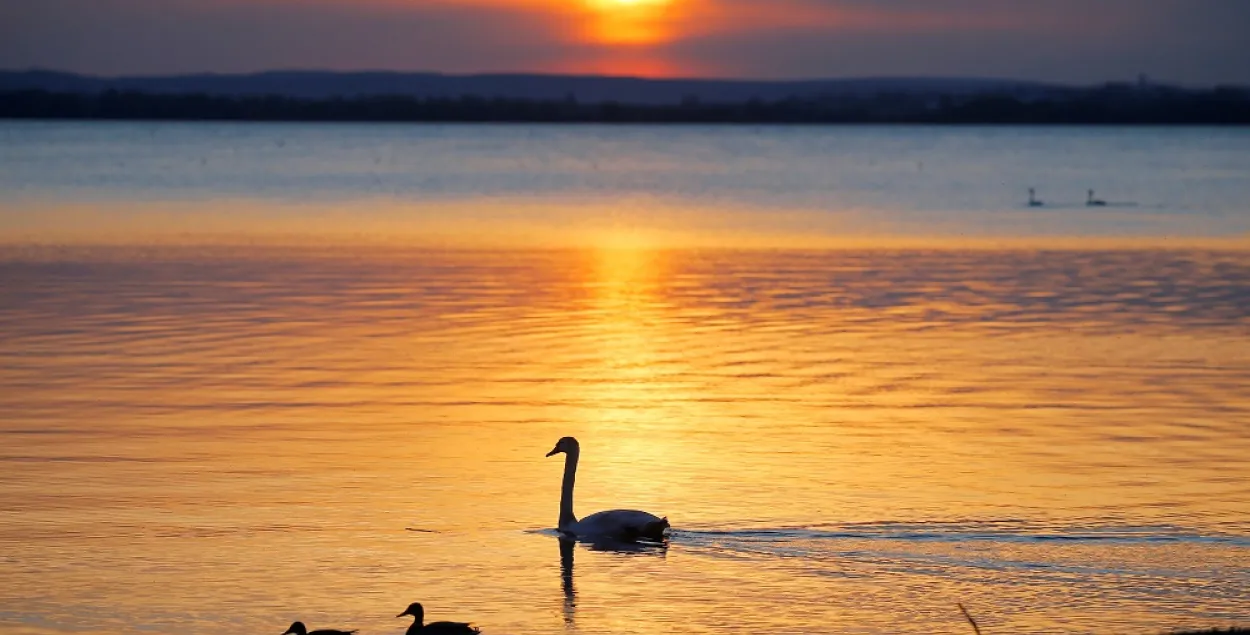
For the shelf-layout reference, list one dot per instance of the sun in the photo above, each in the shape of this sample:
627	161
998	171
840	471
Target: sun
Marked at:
629	22
617	4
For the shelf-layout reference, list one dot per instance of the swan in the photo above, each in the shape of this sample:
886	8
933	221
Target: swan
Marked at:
298	628
1093	202
435	628
1033	202
616	524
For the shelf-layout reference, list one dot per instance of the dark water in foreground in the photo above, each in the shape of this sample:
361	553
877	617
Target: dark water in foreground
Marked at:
229	439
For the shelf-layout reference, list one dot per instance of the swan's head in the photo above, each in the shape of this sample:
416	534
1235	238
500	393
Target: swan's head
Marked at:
567	445
297	628
415	609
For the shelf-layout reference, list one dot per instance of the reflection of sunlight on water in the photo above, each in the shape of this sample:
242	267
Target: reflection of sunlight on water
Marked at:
848	440
630	403
567	223
626	320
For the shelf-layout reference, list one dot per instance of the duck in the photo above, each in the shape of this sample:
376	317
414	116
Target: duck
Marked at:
298	628
629	525
419	627
1093	202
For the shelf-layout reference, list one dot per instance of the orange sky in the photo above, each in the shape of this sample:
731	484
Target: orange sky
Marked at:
627	33
1193	41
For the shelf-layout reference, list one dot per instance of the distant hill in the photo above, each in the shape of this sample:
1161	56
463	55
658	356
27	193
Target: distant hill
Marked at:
582	88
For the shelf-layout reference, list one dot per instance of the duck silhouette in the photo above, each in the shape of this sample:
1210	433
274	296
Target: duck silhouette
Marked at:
298	628
435	628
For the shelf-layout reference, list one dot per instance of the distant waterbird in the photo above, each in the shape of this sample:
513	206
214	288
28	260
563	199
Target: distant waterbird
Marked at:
298	628
1033	200
628	525
1090	201
419	627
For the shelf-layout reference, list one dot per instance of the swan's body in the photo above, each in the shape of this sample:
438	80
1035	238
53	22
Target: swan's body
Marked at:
616	524
419	627
298	628
1033	202
621	524
1093	202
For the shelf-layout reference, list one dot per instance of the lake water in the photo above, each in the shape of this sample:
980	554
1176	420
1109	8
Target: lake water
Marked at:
251	374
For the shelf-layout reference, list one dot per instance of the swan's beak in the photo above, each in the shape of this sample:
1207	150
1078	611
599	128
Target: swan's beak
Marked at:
555	450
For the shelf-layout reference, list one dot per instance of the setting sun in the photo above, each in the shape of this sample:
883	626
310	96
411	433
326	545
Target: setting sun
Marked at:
630	22
618	4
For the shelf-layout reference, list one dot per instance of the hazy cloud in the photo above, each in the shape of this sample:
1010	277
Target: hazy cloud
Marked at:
1197	41
174	36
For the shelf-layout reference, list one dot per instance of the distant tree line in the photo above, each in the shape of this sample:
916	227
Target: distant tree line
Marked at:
1111	104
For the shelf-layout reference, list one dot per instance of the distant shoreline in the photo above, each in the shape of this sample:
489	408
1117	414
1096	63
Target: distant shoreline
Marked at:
327	96
1108	105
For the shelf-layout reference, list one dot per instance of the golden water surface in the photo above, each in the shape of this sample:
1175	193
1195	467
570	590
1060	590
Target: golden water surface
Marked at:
846	441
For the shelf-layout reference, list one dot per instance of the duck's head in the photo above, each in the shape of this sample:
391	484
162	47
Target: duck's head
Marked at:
297	628
567	445
416	610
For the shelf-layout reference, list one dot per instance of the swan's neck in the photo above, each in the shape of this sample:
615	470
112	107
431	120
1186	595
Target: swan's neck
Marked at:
566	490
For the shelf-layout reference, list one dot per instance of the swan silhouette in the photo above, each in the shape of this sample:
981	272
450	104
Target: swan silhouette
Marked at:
298	628
617	524
1033	202
419	627
1093	202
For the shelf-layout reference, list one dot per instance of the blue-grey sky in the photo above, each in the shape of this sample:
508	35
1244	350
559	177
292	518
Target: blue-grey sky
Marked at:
1080	41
